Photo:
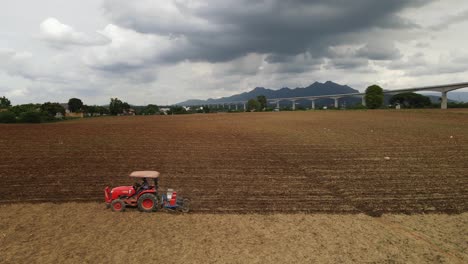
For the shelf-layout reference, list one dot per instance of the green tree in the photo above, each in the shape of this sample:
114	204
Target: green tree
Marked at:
89	109
95	109
75	105
207	109
85	108
374	97
116	106
7	117
4	102
262	102
125	106
51	109
103	110
177	110
150	109
253	105
410	100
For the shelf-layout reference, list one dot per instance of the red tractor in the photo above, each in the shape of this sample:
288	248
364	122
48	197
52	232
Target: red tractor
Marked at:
144	196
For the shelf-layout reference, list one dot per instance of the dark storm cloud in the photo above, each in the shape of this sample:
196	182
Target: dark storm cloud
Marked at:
294	63
347	63
224	30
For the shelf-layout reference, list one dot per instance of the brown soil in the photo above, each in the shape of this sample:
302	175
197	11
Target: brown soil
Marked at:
323	161
89	233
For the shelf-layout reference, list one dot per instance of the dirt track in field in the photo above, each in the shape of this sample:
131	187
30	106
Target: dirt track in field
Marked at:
88	233
323	161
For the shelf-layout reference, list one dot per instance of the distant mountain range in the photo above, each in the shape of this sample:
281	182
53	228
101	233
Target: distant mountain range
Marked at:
315	89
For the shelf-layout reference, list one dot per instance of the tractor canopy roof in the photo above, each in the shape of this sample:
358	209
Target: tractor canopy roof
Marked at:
145	174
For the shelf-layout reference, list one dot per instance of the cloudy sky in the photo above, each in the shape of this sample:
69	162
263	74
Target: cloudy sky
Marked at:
167	51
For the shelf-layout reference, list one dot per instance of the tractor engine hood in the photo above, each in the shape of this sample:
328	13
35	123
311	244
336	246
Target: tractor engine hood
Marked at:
122	191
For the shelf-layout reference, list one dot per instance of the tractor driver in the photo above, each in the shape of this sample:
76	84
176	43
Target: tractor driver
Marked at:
144	185
141	187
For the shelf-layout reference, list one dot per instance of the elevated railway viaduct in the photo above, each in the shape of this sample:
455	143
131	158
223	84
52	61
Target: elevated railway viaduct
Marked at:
443	89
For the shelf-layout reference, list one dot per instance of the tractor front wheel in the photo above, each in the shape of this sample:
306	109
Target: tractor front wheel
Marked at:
117	205
148	203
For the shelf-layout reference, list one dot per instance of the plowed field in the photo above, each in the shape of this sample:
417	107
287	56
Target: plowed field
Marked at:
325	161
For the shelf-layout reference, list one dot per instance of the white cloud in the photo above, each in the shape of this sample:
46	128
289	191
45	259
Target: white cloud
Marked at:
59	34
450	20
129	50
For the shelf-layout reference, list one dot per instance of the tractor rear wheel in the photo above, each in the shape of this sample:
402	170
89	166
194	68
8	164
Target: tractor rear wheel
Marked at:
148	203
118	205
185	206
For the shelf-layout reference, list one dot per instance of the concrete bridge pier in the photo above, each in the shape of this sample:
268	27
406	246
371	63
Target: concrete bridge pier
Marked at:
443	103
313	103
336	101
236	107
293	104
245	107
277	105
229	106
363	100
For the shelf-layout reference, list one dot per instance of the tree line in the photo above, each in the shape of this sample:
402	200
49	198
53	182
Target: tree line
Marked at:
53	111
50	111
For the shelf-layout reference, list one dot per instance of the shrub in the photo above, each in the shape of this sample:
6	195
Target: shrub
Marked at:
358	106
410	100
18	109
30	117
455	105
7	117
